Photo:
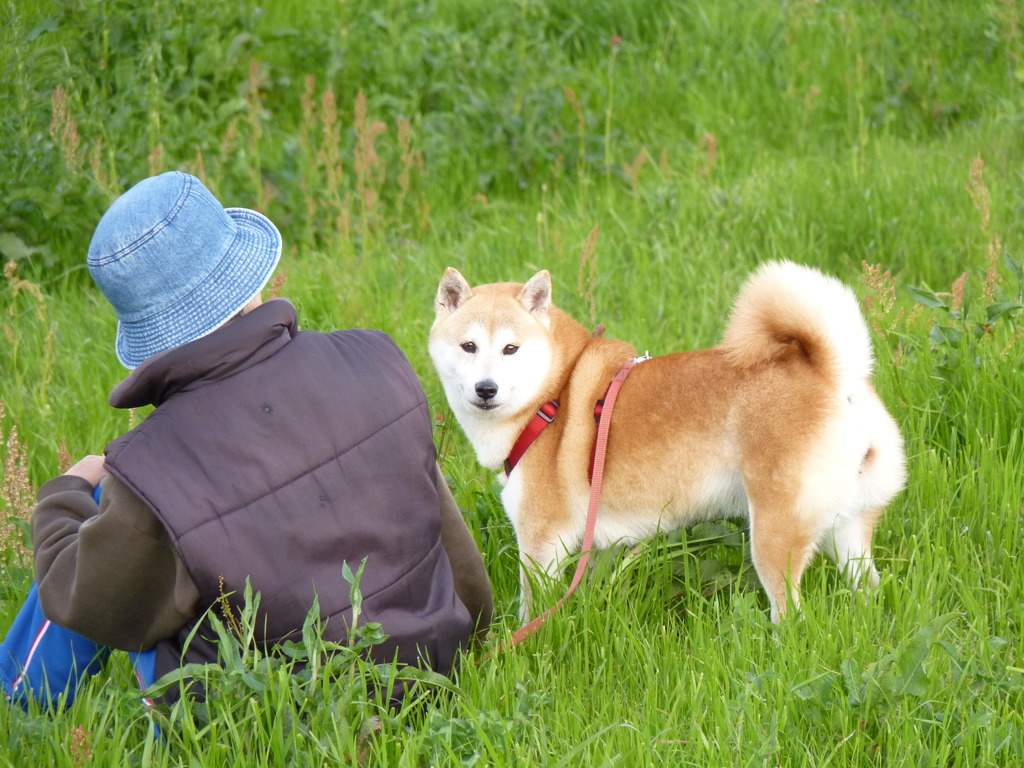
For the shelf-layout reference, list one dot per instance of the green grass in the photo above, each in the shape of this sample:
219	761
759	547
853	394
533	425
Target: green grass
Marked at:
714	136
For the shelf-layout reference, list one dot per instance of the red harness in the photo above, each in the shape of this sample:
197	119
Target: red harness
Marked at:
544	416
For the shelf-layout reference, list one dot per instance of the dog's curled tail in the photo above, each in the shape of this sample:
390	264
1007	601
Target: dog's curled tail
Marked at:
786	309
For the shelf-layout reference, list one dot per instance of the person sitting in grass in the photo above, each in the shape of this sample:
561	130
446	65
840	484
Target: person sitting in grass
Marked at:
273	456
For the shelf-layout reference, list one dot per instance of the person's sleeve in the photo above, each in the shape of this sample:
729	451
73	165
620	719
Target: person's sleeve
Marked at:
108	572
471	581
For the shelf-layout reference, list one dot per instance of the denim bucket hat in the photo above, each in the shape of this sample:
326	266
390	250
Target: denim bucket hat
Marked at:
176	265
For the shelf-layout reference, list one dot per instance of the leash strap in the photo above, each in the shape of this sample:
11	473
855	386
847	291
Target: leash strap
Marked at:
600	446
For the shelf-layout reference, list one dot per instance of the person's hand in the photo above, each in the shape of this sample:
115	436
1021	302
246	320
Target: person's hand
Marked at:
89	468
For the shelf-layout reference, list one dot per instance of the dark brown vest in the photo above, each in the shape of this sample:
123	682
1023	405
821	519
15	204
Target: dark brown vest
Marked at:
280	455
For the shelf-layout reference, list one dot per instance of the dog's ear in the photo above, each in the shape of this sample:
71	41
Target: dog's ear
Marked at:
536	294
452	291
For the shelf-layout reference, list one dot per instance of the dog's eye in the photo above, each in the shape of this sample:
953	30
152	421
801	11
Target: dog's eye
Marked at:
469	347
510	349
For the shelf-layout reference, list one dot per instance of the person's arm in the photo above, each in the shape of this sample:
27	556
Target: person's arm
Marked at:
107	572
471	581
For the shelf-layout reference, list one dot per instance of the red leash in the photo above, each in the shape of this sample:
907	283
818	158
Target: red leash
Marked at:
600	447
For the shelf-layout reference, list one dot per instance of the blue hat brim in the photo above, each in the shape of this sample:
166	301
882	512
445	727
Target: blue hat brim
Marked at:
243	271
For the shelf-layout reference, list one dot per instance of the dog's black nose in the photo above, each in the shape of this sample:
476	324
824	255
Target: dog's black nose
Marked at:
486	389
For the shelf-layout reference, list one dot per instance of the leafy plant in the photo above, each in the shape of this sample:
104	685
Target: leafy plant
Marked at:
274	701
965	319
471	740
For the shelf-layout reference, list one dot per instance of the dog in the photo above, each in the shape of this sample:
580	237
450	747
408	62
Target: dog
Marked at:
779	422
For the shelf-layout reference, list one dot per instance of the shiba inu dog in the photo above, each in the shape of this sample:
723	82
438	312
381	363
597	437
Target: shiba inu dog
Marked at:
779	422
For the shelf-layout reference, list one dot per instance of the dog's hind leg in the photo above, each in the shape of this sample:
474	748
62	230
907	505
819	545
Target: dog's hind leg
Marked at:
880	476
848	544
781	549
882	473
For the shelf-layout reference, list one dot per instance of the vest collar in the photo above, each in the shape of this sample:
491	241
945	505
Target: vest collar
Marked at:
248	340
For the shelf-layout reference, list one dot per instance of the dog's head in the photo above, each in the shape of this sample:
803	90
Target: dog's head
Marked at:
491	344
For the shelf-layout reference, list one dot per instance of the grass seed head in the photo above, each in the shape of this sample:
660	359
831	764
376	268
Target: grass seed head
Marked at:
17	497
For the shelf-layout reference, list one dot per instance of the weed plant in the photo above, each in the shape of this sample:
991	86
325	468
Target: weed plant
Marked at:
649	153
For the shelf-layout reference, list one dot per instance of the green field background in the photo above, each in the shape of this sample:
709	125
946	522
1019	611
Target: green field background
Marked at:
650	154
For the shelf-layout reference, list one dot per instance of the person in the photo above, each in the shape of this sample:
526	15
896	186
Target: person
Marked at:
273	456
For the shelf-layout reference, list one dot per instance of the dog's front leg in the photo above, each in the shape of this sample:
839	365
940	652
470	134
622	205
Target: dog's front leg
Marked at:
545	534
538	560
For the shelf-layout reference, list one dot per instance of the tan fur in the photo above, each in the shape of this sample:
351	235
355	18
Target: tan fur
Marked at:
779	422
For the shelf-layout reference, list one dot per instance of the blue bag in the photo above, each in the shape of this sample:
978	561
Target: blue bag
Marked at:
43	661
